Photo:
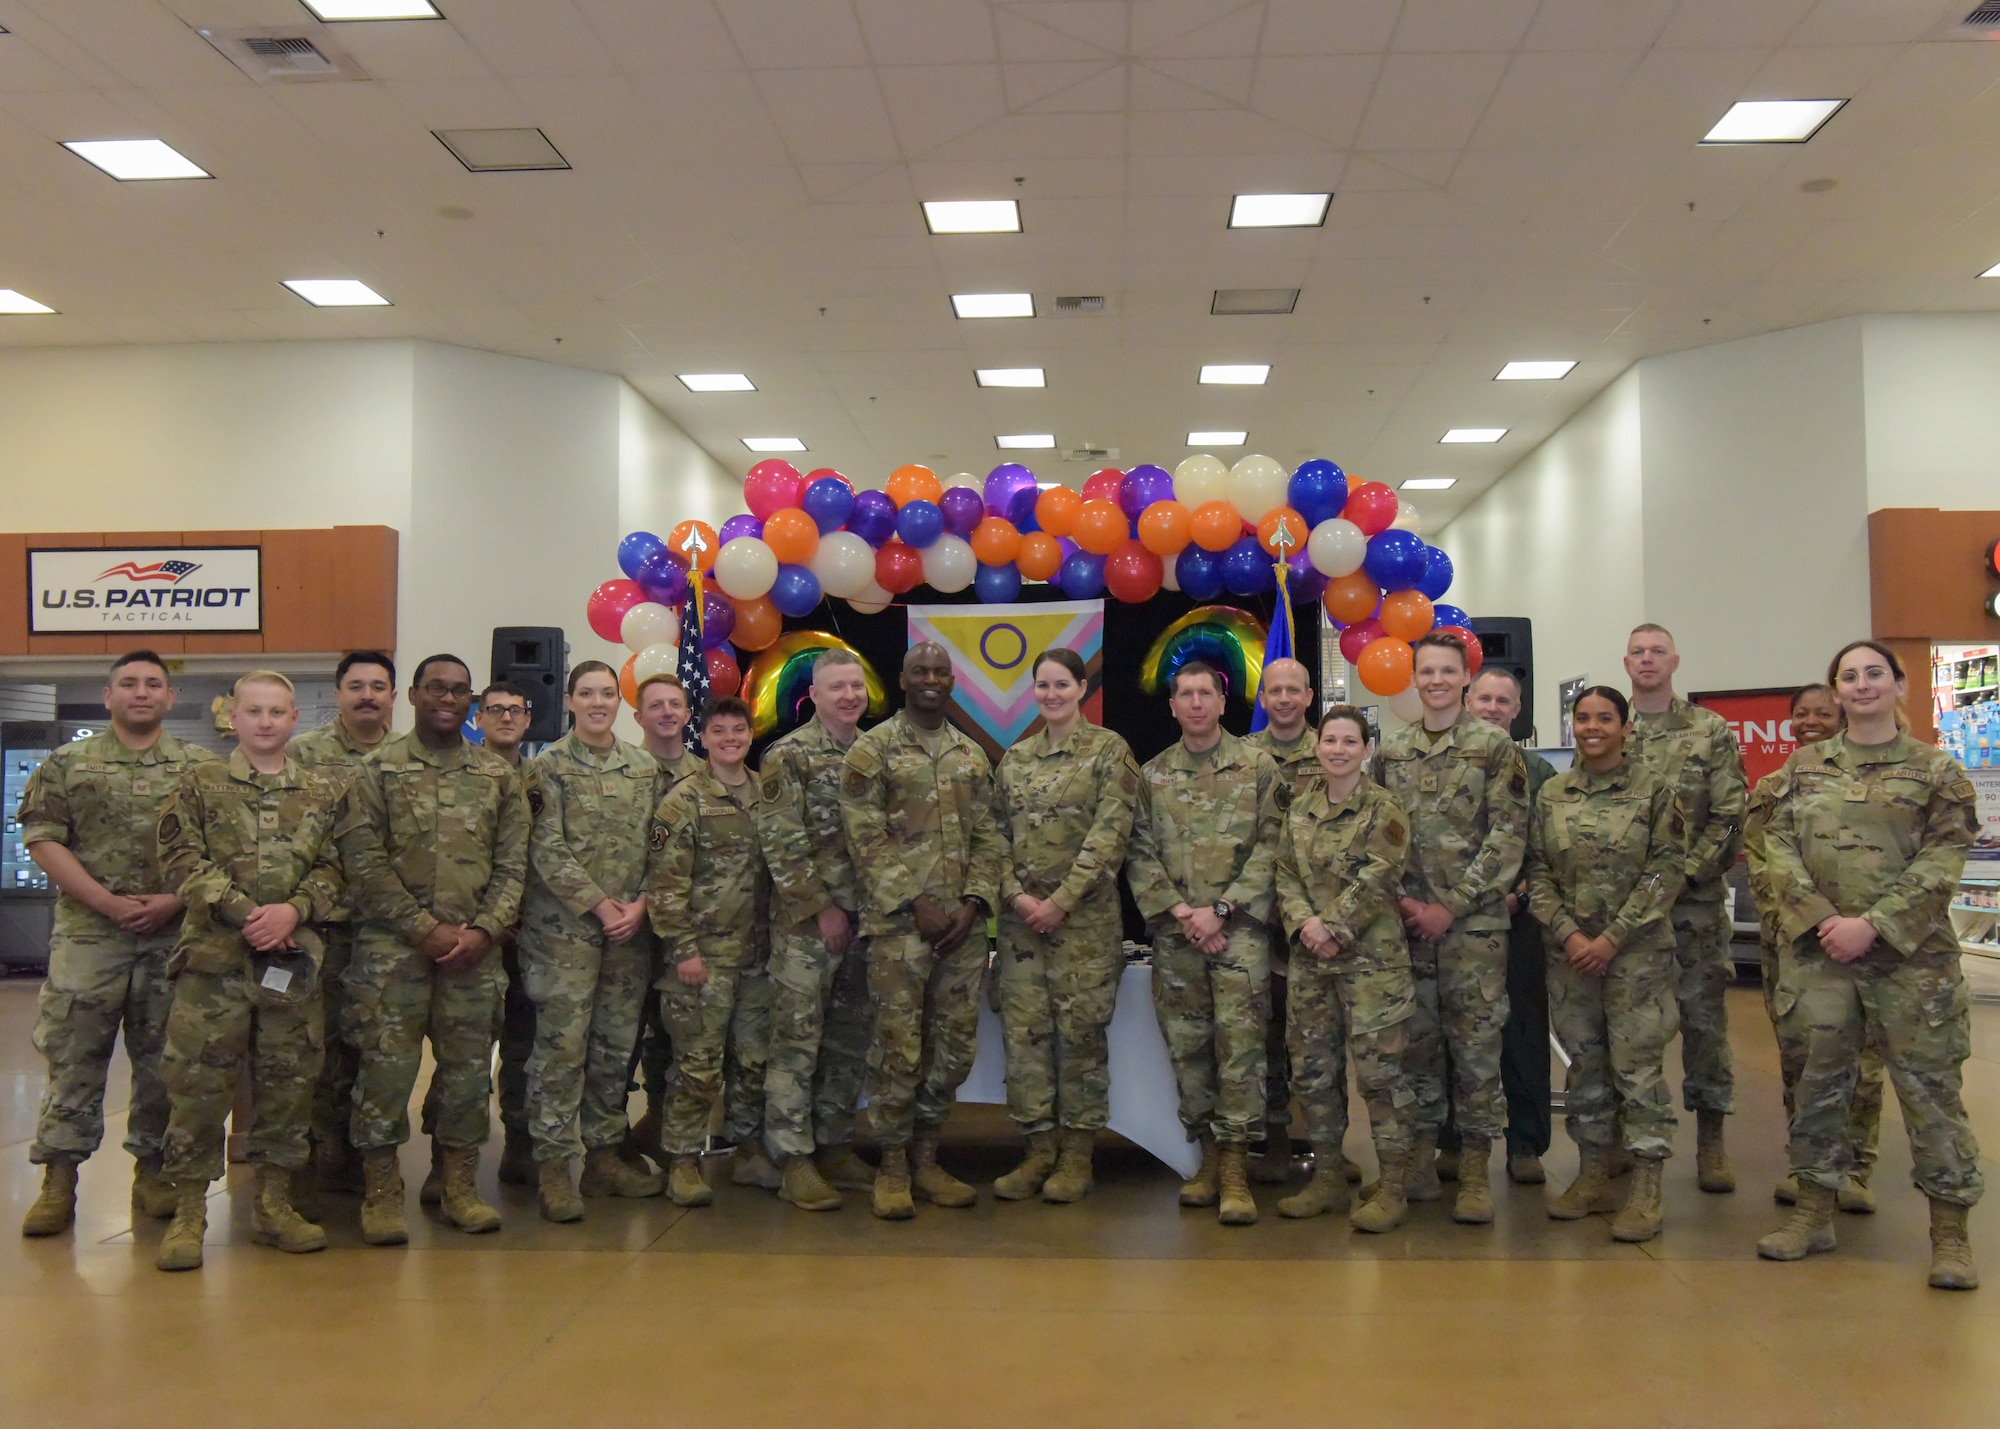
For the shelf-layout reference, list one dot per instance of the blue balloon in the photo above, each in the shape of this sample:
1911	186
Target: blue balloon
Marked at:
1395	559
1318	491
796	591
1082	576
920	524
829	502
1436	579
1199	573
634	549
873	518
1450	615
1247	568
997	584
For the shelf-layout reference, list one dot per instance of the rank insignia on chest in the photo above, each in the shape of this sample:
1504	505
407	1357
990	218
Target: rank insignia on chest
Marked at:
1427	784
141	786
267	818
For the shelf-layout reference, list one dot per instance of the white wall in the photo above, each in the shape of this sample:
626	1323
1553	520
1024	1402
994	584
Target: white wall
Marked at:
663	477
1933	410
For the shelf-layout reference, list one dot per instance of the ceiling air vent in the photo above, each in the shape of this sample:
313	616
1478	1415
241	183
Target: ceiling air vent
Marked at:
1242	302
1087	452
1091	304
1986	15
287	56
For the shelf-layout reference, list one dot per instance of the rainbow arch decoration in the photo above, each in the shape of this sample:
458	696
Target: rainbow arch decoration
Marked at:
1221	635
992	653
779	681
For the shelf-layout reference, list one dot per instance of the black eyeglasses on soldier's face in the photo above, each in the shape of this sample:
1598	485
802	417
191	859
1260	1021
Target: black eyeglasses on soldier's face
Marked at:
505	711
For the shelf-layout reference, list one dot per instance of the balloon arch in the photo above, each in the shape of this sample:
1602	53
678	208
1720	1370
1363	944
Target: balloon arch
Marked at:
1204	529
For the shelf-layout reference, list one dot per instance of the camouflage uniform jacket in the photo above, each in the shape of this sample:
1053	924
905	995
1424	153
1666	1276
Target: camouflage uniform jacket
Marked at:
332	750
102	802
1756	818
1467	798
1343	864
1298	760
1207	829
917	824
433	836
1693	750
592	811
1870	831
672	771
232	840
810	865
1605	856
707	891
1067	813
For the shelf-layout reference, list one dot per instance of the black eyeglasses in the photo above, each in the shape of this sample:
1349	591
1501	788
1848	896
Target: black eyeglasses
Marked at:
505	711
438	690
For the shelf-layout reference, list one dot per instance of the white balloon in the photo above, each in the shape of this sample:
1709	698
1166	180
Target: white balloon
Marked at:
654	660
1170	574
1201	479
648	623
965	478
745	568
844	564
949	564
1408	518
872	601
1406	704
1336	548
1258	486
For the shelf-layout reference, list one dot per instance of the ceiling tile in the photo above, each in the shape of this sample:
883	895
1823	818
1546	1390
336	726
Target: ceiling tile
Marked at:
1457	26
1429	101
829	115
928	32
794	34
1314	27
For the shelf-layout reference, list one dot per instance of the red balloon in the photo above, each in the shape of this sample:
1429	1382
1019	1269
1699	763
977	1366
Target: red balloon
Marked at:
724	678
1104	485
1475	655
898	568
1356	638
819	471
1371	506
772	485
1132	573
605	610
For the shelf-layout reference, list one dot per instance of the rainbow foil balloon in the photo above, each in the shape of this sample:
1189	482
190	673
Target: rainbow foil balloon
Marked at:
779	681
1220	635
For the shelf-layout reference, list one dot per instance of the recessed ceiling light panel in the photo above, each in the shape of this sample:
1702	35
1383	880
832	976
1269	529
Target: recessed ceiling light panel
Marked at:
774	444
501	151
13	302
1236	374
1993	272
336	293
373	9
716	382
1459	435
1011	377
979	215
993	305
1248	302
1279	210
1533	371
1430	483
1026	442
1772	121
1217	439
133	160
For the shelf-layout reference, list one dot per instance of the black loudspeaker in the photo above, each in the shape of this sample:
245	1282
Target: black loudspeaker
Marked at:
1509	643
536	658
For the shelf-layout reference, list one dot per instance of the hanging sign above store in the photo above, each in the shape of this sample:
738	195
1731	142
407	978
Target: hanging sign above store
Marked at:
174	589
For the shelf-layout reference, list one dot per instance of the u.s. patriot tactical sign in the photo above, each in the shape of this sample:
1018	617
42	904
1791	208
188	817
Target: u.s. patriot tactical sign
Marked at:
130	591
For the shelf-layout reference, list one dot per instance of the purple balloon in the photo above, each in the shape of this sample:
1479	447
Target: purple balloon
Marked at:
963	509
664	577
829	501
718	619
739	526
1303	579
1002	482
1021	509
1143	486
873	518
1069	547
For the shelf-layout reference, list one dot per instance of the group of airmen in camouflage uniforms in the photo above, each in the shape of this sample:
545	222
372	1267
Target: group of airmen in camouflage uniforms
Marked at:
775	942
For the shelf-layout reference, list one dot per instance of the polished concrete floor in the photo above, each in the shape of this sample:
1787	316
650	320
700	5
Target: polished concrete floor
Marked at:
1123	1310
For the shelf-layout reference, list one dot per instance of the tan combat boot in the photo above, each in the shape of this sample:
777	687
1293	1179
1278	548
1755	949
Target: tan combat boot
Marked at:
1525	1169
1639	1218
1387	1208
841	1169
54	1210
274	1220
1072	1179
152	1193
1856	1196
1711	1162
685	1186
180	1247
1474	1173
1786	1192
431	1193
1274	1167
750	1166
1202	1191
1951	1248
517	1161
606	1173
1237	1206
931	1181
461	1204
557	1192
1591	1193
1807	1229
1026	1179
803	1186
1326	1191
382	1220
892	1200
1422	1184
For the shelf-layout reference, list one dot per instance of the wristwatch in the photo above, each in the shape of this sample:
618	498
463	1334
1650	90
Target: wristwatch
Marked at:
1224	908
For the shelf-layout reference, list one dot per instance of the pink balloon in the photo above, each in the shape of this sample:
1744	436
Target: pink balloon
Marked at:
1357	637
772	485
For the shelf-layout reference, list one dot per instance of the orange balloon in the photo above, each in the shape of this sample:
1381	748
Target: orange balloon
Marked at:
1165	528
1215	525
678	538
1294	526
1385	665
1406	614
758	624
628	683
1351	597
1040	556
792	536
912	483
995	541
1100	527
1055	510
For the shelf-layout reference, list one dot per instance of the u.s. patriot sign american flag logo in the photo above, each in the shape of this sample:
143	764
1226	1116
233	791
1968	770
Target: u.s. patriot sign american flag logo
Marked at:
172	572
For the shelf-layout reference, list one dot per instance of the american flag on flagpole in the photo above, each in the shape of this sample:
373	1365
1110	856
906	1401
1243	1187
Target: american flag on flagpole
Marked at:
690	666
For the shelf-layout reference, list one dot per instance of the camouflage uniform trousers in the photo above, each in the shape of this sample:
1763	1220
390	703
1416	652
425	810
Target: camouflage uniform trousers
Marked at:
399	999
1616	1029
1367	1012
1453	1053
1277	1050
821	1025
720	1030
584	995
1701	950
1864	1126
1923	1011
97	983
926	1029
213	1028
1214	1012
1057	993
333	1092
